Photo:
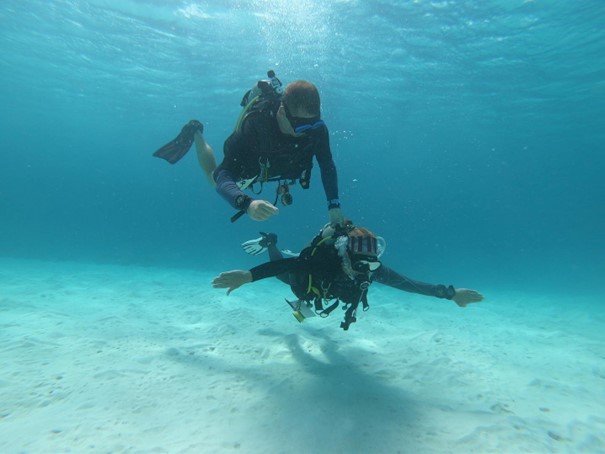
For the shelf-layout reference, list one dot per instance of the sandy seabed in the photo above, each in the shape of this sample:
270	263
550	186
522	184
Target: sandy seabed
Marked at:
115	359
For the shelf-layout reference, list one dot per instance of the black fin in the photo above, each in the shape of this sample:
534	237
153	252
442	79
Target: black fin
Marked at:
174	150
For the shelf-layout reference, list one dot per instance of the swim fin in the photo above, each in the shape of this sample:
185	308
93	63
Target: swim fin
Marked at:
301	310
174	150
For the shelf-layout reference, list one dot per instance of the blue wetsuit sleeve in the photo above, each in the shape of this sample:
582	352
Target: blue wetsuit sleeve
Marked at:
392	278
226	186
329	176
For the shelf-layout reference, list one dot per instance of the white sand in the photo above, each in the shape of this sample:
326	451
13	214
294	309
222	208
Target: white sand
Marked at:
97	358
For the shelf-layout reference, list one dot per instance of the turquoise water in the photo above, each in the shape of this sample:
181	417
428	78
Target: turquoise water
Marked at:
468	134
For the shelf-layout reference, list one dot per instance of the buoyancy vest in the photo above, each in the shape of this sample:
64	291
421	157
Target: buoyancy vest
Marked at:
323	282
278	157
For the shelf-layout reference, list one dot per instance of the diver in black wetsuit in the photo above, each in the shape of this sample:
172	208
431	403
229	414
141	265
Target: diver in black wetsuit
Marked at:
278	144
337	267
275	141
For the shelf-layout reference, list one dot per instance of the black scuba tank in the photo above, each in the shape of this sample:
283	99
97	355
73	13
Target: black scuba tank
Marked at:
271	87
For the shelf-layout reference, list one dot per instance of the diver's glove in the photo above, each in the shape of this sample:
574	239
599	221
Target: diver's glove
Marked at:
259	245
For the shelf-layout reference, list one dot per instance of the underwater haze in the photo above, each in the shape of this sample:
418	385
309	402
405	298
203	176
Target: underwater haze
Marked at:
468	134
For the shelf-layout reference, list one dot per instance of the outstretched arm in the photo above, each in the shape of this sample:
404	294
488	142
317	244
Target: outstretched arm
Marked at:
466	296
236	278
232	280
461	296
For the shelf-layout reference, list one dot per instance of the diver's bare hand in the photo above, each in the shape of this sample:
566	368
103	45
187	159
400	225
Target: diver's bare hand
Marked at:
232	279
466	296
261	210
336	216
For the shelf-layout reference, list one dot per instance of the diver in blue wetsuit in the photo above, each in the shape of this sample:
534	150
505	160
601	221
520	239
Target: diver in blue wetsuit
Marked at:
337	267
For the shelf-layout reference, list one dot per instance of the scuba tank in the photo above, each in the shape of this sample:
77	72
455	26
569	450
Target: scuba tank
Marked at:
275	82
270	87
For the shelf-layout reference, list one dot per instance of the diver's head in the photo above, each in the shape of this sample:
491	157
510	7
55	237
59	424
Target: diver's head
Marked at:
299	111
360	251
301	99
362	248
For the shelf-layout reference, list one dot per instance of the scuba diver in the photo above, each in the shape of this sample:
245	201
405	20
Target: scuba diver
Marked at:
337	267
275	139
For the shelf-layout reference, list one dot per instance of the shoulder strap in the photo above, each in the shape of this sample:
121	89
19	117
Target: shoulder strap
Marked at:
260	103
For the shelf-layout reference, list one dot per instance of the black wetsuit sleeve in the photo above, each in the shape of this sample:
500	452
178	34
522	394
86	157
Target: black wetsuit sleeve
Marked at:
329	176
392	278
274	268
